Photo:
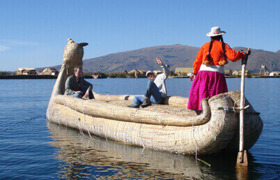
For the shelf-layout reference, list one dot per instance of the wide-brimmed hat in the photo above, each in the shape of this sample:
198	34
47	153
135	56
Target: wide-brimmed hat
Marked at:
215	31
149	72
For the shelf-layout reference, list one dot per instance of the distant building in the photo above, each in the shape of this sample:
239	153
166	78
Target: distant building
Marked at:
156	72
49	71
264	71
132	72
238	73
228	73
142	72
96	76
276	73
26	71
135	73
183	71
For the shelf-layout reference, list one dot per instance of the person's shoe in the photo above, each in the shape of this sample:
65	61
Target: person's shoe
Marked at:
146	102
134	106
91	96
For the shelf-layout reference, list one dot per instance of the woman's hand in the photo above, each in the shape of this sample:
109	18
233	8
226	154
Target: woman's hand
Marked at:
248	52
192	77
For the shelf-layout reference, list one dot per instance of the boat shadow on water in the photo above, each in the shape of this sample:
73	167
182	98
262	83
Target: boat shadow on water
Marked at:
84	156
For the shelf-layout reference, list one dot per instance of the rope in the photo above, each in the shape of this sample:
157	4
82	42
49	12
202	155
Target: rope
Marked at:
158	119
79	119
88	130
75	104
193	130
105	134
64	106
212	133
133	114
59	121
113	114
85	122
140	133
66	122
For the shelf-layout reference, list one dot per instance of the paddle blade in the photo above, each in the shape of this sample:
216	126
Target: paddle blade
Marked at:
242	158
241	172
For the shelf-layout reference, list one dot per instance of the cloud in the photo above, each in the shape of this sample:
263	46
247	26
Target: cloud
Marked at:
4	48
16	42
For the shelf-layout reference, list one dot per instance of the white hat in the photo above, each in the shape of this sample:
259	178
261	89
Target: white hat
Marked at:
149	72
215	31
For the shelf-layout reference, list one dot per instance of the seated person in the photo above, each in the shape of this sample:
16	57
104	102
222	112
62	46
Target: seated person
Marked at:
77	86
156	89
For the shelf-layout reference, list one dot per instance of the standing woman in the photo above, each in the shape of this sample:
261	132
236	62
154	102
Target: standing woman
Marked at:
208	69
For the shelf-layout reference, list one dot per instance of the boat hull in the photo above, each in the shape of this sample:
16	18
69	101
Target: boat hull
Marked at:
214	135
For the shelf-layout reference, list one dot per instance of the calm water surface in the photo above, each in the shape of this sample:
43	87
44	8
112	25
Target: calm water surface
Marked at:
32	148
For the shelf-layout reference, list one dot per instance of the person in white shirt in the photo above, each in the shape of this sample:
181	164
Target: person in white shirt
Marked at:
156	88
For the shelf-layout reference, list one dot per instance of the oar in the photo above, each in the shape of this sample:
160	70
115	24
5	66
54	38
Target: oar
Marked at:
242	158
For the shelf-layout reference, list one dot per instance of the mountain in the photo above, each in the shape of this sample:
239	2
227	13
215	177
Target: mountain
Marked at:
257	58
173	55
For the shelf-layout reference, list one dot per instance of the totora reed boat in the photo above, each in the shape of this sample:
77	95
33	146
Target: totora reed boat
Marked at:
165	127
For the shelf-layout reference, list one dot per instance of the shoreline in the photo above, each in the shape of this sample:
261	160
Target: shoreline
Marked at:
33	77
231	77
28	77
90	77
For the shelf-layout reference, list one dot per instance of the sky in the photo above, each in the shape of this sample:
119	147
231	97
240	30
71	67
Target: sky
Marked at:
34	33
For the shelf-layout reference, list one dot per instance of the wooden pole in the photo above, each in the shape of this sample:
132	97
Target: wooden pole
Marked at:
242	158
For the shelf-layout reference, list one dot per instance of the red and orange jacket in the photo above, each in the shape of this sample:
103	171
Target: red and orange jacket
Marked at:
216	54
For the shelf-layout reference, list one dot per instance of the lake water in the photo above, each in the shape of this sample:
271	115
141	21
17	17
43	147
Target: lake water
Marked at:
32	148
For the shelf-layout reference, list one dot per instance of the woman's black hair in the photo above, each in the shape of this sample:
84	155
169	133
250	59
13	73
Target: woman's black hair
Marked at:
219	38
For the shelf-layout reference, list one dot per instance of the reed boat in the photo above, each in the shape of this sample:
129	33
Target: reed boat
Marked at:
165	127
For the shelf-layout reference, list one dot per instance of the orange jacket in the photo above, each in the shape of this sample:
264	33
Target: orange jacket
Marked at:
216	54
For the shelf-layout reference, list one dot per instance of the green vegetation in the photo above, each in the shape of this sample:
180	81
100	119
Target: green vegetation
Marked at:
116	75
105	75
101	74
124	75
87	74
3	73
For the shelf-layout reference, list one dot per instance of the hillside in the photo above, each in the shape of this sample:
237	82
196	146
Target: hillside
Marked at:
175	56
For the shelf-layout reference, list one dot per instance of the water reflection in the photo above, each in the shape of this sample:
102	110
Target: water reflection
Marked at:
82	156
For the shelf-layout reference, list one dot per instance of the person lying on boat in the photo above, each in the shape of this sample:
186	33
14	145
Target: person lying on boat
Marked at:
77	86
156	88
208	69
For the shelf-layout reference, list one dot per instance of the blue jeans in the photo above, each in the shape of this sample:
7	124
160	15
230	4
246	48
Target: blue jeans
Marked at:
152	93
83	91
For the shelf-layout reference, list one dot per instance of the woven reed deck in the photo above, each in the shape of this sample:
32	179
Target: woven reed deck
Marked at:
162	108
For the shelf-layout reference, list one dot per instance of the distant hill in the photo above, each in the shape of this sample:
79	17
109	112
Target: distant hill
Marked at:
257	58
173	55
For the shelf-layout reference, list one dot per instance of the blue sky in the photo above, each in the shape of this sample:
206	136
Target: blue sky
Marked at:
34	33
